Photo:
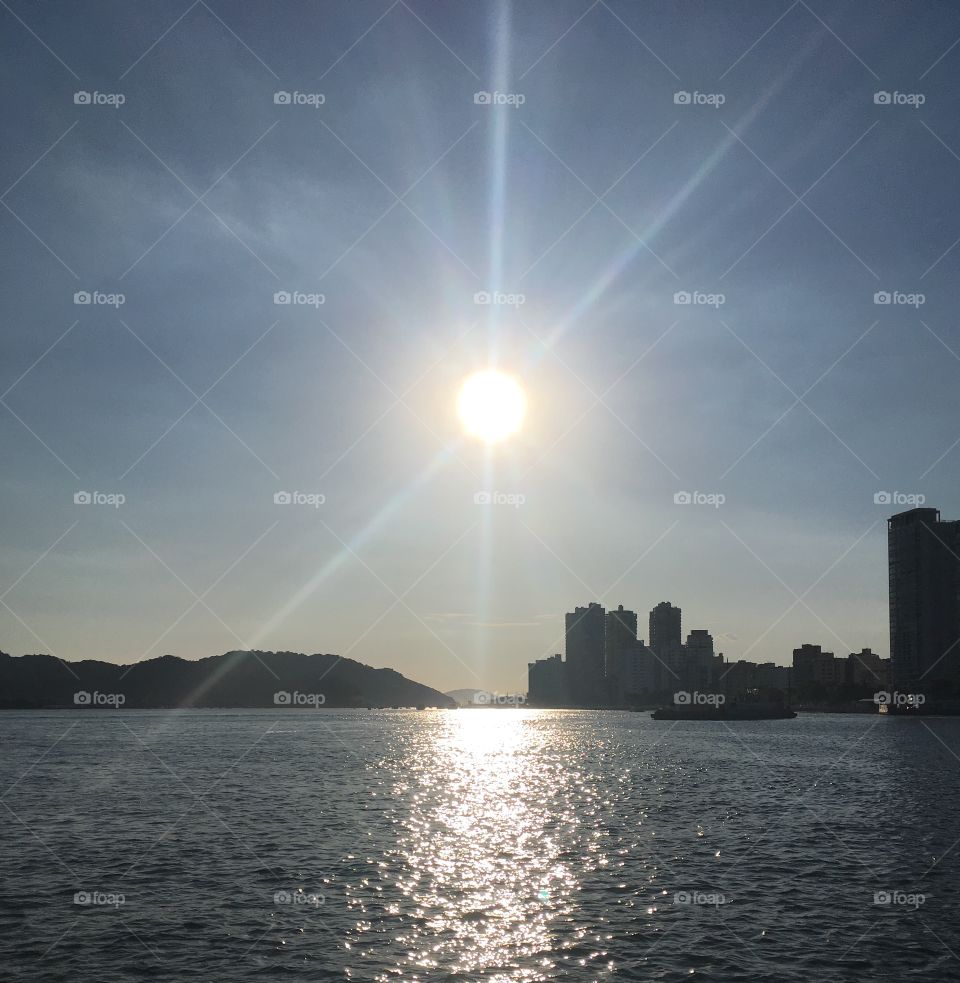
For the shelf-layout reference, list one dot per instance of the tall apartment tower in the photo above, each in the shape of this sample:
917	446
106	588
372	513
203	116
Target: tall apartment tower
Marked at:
620	652
664	628
665	645
619	638
924	567
585	641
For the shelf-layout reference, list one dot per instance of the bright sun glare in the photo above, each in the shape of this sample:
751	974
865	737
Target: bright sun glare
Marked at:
491	405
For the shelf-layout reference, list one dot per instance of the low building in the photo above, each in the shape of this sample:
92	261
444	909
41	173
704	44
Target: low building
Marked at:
814	668
547	682
867	670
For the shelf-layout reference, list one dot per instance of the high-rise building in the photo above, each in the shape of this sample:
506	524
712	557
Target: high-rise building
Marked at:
664	627
585	635
697	659
924	567
619	642
665	645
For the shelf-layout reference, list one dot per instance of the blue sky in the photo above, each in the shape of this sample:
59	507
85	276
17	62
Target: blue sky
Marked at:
784	195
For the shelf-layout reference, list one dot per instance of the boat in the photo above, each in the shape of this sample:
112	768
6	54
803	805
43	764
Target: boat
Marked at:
726	711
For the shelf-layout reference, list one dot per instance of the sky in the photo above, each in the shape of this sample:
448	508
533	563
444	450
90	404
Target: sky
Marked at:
174	171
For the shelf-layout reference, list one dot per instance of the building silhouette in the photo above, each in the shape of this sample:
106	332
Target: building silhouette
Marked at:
608	666
665	644
620	652
547	682
586	653
924	568
734	679
812	667
866	670
697	660
664	627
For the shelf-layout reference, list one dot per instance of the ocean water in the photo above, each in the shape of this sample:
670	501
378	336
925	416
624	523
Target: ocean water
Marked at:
507	845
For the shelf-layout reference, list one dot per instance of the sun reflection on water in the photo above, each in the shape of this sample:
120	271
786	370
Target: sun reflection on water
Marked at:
479	851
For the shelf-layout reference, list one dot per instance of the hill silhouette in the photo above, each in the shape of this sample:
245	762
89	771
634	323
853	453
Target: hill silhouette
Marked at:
235	679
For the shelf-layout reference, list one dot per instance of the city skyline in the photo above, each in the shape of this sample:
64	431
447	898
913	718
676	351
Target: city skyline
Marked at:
608	665
242	301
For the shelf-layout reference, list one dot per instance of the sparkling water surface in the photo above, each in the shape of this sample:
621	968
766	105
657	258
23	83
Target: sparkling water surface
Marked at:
507	845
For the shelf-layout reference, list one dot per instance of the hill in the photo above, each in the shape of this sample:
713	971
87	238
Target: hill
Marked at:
235	679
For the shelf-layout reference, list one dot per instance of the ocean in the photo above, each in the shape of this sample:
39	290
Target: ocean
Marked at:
502	845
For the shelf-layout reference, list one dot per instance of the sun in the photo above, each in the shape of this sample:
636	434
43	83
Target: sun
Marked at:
491	405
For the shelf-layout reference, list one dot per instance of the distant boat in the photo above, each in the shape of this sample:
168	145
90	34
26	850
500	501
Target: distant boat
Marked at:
732	711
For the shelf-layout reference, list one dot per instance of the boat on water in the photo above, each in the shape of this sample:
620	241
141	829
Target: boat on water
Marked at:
726	711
